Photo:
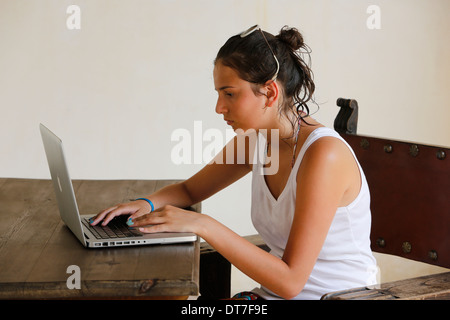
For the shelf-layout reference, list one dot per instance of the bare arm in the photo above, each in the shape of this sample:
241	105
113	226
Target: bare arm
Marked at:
321	185
214	177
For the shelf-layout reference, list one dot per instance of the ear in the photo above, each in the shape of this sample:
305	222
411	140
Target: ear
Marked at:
272	93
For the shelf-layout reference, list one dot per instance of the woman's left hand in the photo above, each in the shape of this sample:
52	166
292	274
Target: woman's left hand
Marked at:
168	219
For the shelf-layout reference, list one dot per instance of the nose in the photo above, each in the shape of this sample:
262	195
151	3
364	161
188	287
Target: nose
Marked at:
220	106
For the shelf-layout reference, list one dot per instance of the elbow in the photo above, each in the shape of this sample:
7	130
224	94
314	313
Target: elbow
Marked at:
288	284
291	293
291	289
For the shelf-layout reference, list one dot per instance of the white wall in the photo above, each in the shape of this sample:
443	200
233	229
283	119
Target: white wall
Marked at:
137	70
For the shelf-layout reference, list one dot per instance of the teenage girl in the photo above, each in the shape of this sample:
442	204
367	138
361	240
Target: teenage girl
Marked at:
313	212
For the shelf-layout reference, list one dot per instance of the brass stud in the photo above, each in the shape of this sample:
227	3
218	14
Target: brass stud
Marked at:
432	254
440	154
406	247
381	243
388	148
364	143
414	150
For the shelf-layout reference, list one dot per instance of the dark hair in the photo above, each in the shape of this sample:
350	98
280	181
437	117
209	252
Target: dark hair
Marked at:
252	59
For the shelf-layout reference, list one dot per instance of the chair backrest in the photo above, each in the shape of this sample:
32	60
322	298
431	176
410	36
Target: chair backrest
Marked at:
410	195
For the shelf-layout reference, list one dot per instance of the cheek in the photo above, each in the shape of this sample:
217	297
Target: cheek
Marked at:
252	103
248	117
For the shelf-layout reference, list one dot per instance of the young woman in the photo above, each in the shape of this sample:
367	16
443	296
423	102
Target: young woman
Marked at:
313	211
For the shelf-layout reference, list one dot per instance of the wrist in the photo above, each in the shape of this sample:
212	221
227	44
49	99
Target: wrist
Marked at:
204	224
149	203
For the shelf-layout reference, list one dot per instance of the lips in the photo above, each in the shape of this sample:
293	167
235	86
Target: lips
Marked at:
229	122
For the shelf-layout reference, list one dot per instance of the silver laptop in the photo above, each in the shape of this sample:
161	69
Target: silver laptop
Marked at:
116	233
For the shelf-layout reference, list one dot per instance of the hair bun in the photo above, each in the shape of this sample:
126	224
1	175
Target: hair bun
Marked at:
291	37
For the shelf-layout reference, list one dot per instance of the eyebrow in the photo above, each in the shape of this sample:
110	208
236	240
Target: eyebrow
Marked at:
224	87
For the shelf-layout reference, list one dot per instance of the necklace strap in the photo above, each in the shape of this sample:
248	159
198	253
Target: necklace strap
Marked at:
297	133
295	144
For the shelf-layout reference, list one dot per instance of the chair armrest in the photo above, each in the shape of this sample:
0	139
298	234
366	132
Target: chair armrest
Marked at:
431	287
215	270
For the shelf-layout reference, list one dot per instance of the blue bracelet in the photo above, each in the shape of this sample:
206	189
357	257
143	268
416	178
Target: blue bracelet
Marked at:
151	203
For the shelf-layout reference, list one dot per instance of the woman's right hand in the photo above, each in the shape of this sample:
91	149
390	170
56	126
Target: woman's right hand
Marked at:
135	209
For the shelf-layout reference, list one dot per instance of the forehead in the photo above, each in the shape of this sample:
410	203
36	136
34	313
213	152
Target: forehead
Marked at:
225	76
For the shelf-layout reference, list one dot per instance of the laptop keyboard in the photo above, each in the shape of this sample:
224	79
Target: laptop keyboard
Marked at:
116	228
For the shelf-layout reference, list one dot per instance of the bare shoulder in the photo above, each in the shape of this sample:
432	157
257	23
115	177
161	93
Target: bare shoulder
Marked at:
330	147
328	154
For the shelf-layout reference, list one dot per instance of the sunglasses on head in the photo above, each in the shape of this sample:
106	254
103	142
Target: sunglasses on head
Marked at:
255	28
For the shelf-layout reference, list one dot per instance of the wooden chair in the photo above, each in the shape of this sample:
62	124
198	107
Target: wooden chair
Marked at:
410	205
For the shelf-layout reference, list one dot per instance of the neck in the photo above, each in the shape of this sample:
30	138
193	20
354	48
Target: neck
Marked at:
287	132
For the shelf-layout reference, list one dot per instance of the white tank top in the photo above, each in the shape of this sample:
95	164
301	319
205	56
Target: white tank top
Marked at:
345	260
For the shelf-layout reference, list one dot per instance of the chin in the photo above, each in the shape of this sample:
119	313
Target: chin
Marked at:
243	131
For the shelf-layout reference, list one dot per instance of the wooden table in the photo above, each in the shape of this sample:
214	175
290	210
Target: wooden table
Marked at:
36	248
